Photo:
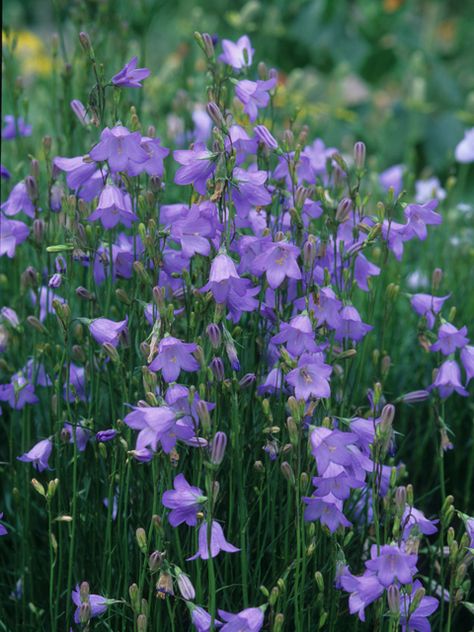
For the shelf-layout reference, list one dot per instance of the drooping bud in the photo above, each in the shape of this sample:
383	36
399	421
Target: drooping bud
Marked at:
214	335
344	209
217	368
218	447
185	585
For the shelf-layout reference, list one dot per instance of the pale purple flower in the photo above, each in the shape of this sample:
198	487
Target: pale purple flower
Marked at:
79	172
12	234
467	359
130	76
331	446
464	151
278	260
298	335
224	278
8	314
364	590
156	154
120	148
310	378
105	330
426	190
201	619
248	620
392	564
38	455
198	165
414	518
448	379
421	215
185	501
114	207
18	393
328	513
418	619
80	111
396	235
449	339
98	604
392	178
14	128
249	190
218	542
158	424
106	435
350	325
428	306
193	232
82	435
76	387
264	136
237	54
19	201
174	356
254	95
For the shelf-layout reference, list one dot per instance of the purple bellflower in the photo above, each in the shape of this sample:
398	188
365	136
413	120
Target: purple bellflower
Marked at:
248	620
119	147
15	127
105	330
448	379
218	542
19	201
97	603
113	207
174	356
237	54
197	166
278	260
449	339
38	455
254	95
12	234
428	306
298	335
185	502
392	564
130	76
310	378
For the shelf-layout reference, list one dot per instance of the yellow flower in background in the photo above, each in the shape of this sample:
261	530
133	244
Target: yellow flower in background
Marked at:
30	51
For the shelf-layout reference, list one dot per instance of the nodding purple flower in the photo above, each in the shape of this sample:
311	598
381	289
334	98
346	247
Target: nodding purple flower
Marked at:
254	95
130	76
264	136
8	314
18	393
173	357
218	542
80	111
19	201
185	501
237	54
392	178
449	339
467	359
448	379
272	383
415	519
310	378
159	424
298	335
464	151
105	330
106	435
421	215
193	232
364	590
392	564
278	260
249	190
248	620
198	165
12	234
224	278
114	207
201	619
428	306
38	455
417	619
15	127
119	147
156	154
82	435
75	388
350	325
97	603
3	530
331	446
328	512
78	171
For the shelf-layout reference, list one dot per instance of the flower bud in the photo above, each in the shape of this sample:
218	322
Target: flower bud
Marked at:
38	230
344	209
247	380
359	155
309	253
81	292
85	612
214	334
185	585
437	278
393	598
414	397
155	561
288	473
203	414
85	41
215	114
217	368
134	594
142	623
218	446
31	188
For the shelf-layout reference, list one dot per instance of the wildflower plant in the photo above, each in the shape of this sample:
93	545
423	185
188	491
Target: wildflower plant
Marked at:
197	366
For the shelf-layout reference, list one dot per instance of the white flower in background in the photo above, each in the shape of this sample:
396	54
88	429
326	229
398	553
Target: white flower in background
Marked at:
464	151
426	190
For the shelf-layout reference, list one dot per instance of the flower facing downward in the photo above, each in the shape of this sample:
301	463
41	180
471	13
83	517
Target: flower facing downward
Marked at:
114	207
392	564
448	379
449	339
184	501
130	76
249	620
38	455
218	542
105	330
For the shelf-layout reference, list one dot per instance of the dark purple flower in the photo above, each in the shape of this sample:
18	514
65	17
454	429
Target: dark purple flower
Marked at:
428	306
113	207
248	620
278	260
237	54
218	542
448	379
392	564
4	173
12	234
254	95
185	502
38	455
97	603
120	148
198	165
449	339
105	330
130	76
19	201
3	530
14	128
174	356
